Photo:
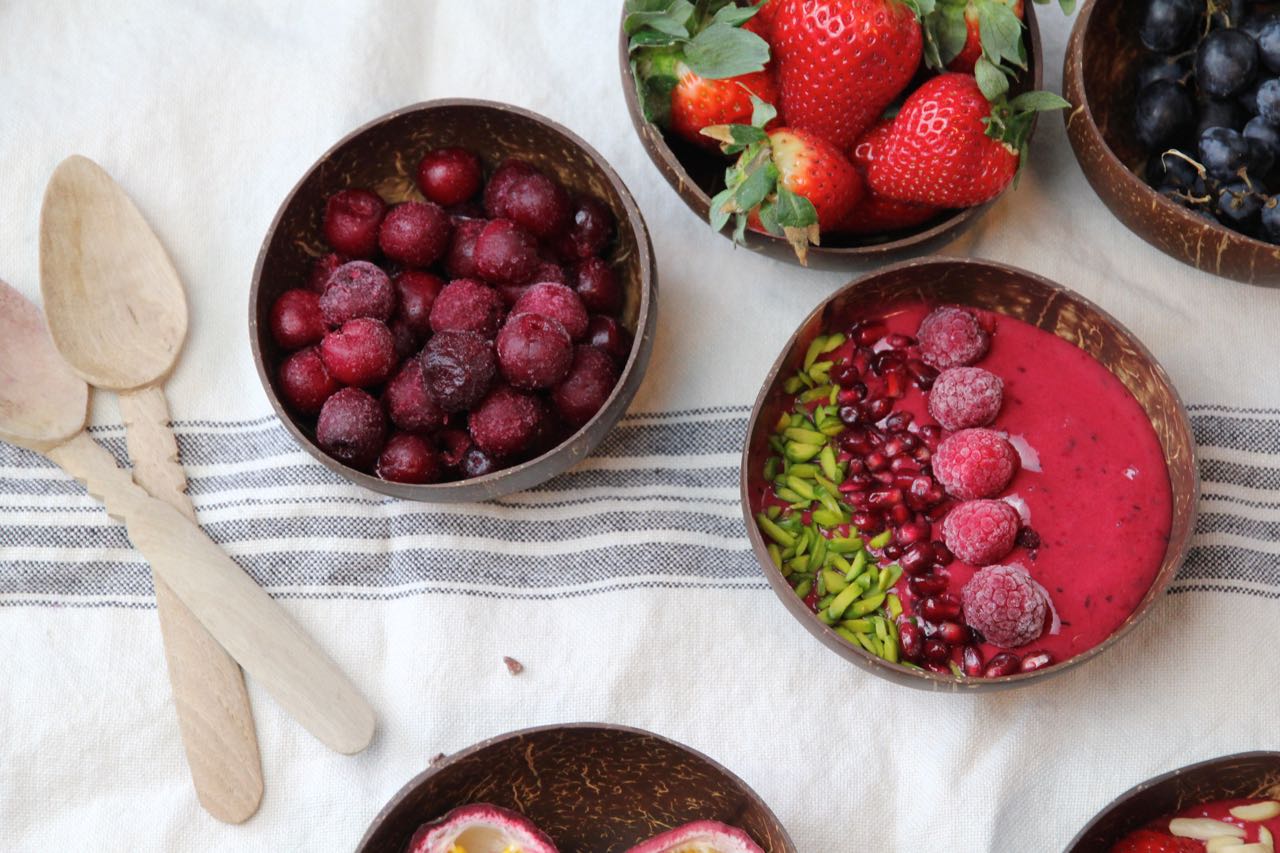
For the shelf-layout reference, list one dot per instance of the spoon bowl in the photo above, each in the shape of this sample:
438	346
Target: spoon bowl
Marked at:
42	403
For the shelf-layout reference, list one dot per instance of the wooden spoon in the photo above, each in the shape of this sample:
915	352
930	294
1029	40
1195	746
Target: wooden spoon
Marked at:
43	406
118	314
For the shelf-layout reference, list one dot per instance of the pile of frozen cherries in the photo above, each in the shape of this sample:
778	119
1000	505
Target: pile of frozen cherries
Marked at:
450	337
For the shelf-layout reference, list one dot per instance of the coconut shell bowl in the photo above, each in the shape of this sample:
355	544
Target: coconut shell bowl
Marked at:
696	175
1247	775
1005	291
592	788
1102	61
382	156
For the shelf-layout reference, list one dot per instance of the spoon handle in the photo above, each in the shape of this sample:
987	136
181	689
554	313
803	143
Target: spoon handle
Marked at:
255	630
214	715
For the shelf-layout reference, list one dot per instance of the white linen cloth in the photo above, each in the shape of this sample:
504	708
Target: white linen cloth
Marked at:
625	587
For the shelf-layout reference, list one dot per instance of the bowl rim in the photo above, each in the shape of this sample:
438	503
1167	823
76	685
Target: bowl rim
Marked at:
1160	779
553	461
406	790
697	200
923	679
1073	81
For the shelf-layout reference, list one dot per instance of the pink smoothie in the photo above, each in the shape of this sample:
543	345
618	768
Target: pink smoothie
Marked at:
1221	811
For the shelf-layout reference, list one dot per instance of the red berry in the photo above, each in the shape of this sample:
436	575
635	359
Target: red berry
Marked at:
589	383
460	261
415	234
952	337
597	285
409	458
534	351
416	292
458	368
507	422
964	397
449	176
296	319
590	230
1005	606
505	253
357	289
351	427
1001	665
405	340
537	204
549	271
975	463
981	532
1152	841
323	267
467	305
972	662
607	334
500	182
305	382
557	302
361	352
351	222
409	404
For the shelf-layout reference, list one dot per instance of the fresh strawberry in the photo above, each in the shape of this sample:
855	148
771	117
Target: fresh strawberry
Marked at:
877	214
696	67
1150	841
841	62
949	147
762	23
788	182
974	11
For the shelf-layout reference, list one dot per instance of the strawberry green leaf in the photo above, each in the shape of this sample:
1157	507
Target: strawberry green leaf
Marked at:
991	79
734	16
794	210
1039	102
740	229
721	51
762	112
652	38
1068	6
719	213
734	137
1001	33
769	217
656	72
922	8
947	30
761	178
667	16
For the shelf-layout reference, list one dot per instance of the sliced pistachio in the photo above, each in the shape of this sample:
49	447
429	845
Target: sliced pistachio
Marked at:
868	643
847	545
800	452
775	554
827	518
827	459
857	626
818	392
1203	828
833	342
774	532
831	428
792	385
790	496
804	588
777	444
866	605
802	435
816	348
1257	812
773	512
820	370
847	634
801	487
830	503
880	540
825	618
846	598
894	605
834	581
803	470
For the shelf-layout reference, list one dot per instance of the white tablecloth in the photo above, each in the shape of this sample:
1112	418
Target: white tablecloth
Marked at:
626	586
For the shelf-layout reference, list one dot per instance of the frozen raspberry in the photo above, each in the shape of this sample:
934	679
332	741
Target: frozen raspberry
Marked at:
416	292
589	383
500	182
467	305
505	253
357	289
460	261
981	532
409	404
459	368
362	352
557	302
1005	606
537	204
964	397
597	285
449	176
415	234
607	334
975	463
324	266
534	351
589	232
305	382
507	422
952	337
296	320
351	428
351	222
409	458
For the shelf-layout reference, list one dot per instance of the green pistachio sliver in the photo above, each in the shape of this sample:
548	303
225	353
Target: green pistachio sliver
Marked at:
827	518
804	470
866	605
826	620
784	421
868	643
833	342
777	444
839	562
801	486
792	524
805	436
860	562
792	385
803	541
877	622
803	588
827	485
775	554
819	392
834	581
882	581
771	467
956	670
774	532
846	598
847	545
815	349
867	579
799	452
798	564
857	626
895	572
827	459
831	429
880	540
830	504
832	396
894	604
791	497
848	635
890	651
773	512
822	588
910	665
819	372
819	551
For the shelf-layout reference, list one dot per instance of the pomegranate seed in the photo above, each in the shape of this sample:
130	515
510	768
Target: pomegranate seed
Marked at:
877	408
844	457
1039	660
940	608
915	561
875	438
862	360
912	534
885	498
885	360
930	629
850	415
859	481
899	513
885	478
877	461
930	435
941	553
954	633
906	470
910	640
941	669
899	341
892	551
1005	663
936	495
845	375
867	334
924	586
923	374
856	466
922	454
898	422
972	661
895	384
811	600
920	486
894	447
909	442
936	651
859	499
867	522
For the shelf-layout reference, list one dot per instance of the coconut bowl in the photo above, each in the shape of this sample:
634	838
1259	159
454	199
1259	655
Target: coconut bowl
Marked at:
382	156
1246	775
696	175
593	788
1103	57
1015	293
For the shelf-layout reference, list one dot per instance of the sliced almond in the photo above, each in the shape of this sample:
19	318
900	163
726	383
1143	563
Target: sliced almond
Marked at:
1223	842
1264	835
1257	812
1255	847
1203	828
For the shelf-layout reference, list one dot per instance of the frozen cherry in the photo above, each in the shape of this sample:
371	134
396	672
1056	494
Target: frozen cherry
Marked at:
590	230
324	266
459	368
351	222
409	405
507	422
405	340
500	182
589	383
454	445
534	351
597	285
460	261
416	292
409	458
362	352
607	334
357	289
296	320
467	305
351	427
505	253
305	382
449	176
558	302
550	271
538	204
511	293
415	234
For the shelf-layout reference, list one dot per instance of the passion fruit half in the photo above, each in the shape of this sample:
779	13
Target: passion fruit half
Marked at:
703	836
483	828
